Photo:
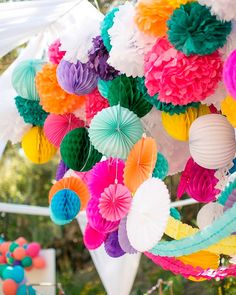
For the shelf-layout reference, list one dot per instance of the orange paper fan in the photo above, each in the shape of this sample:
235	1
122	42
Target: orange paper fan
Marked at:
140	163
76	185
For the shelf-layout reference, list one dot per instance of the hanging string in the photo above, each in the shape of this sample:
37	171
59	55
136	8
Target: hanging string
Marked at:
159	285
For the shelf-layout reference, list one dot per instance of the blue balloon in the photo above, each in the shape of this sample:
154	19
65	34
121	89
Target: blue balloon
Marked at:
16	273
23	290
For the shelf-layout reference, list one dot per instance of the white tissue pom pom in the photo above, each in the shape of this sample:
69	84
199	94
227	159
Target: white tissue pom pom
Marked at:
217	97
223	9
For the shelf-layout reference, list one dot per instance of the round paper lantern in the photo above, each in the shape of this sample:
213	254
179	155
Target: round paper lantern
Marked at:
55	55
228	108
76	78
112	245
78	152
123	238
23	78
178	126
74	184
161	167
57	126
208	214
114	131
65	205
140	163
92	238
33	249
9	287
36	146
115	202
147	218
212	141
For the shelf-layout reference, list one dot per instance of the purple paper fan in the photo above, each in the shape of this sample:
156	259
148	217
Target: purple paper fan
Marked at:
61	170
123	238
112	245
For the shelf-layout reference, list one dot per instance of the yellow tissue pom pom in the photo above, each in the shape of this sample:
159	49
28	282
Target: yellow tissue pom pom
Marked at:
177	126
228	108
36	146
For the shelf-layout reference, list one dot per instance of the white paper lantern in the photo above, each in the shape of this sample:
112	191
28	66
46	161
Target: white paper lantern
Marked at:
208	214
147	218
212	141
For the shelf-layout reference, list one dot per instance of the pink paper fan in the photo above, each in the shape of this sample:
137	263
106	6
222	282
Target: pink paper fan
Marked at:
103	174
115	202
92	238
83	175
57	126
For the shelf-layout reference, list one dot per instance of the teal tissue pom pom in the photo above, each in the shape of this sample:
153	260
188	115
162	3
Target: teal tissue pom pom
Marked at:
175	213
161	168
193	30
107	23
31	111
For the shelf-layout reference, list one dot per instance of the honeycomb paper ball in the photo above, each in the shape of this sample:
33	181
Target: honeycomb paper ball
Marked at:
23	78
92	238
212	141
36	146
9	287
161	168
77	151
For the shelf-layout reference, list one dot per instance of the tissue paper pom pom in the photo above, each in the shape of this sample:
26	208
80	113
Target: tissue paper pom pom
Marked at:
65	205
92	238
198	182
94	104
105	173
128	44
9	287
23	78
74	184
223	9
180	79
230	44
55	55
31	111
61	170
229	74
77	151
114	131
123	238
212	141
57	126
228	108
96	220
178	126
124	91
112	245
76	78
106	24
98	57
161	168
208	214
36	146
33	249
39	262
114	202
193	30
52	97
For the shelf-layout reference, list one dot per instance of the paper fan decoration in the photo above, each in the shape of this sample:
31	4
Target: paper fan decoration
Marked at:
123	238
140	163
147	218
36	146
112	245
92	238
57	126
61	170
161	167
114	131
115	202
75	184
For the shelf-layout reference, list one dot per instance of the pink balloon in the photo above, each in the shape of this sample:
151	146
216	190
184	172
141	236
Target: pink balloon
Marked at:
39	262
33	249
92	238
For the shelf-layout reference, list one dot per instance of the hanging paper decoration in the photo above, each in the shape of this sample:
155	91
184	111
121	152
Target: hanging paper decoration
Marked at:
114	131
103	87
36	146
112	245
161	167
123	238
212	141
61	170
92	238
228	108
208	214
230	200
229	74
55	55
217	97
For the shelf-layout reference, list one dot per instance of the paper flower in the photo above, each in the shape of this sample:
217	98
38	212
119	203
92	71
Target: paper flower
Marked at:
193	30
114	202
61	170
208	214
57	126
23	78
180	79
128	44
36	146
123	238
92	238
212	141
114	131
55	55
112	245
77	151
98	57
229	74
228	108
94	104
161	167
223	9
31	111
52	97
76	78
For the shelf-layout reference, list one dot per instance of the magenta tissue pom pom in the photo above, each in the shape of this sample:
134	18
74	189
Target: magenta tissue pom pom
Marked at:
55	55
230	74
92	238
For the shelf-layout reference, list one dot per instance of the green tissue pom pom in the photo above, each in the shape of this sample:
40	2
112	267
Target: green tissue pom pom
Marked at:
107	23
31	111
77	151
175	213
124	91
161	168
193	30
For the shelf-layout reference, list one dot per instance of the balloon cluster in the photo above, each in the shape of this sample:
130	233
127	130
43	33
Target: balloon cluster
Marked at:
146	89
15	258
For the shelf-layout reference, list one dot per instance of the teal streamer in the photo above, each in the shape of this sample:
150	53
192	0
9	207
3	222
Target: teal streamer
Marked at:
226	193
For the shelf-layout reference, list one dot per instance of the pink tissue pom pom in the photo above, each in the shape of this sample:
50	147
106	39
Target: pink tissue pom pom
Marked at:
181	79
230	74
33	249
54	53
92	238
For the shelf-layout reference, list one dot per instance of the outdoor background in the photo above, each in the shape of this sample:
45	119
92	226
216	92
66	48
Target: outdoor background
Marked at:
25	183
